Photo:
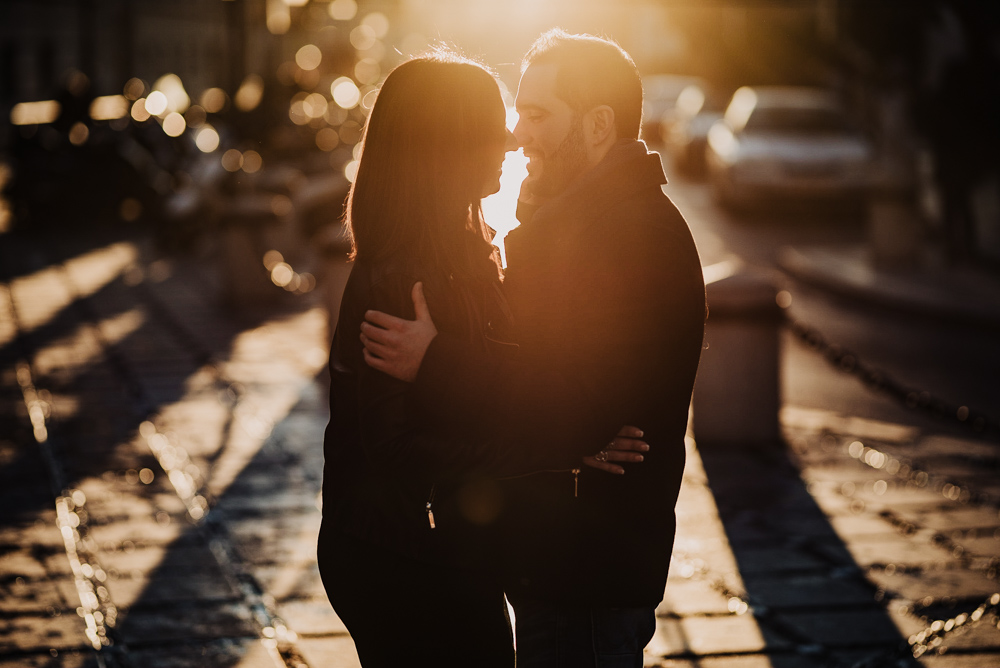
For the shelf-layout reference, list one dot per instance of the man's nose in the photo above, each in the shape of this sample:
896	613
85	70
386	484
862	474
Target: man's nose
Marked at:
511	143
518	134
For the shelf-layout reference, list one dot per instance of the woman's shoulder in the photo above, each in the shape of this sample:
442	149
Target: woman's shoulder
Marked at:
386	284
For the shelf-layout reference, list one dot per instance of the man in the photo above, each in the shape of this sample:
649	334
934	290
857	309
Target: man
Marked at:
607	296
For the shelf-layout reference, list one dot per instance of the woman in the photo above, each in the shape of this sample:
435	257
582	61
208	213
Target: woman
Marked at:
402	551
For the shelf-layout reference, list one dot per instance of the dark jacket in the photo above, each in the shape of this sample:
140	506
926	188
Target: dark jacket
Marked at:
605	286
386	456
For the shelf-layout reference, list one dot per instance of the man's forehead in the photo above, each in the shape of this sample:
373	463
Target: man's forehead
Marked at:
538	86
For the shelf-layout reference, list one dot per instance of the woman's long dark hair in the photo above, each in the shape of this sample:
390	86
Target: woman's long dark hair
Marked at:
429	148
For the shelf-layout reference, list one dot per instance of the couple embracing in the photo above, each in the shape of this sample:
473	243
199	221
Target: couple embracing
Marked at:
517	431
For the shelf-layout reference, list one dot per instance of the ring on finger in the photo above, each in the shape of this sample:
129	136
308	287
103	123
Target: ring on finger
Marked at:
601	456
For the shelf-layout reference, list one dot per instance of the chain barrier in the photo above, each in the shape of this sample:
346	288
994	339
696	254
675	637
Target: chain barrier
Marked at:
879	381
933	637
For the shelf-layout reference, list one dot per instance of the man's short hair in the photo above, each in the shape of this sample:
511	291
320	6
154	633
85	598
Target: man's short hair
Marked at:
592	71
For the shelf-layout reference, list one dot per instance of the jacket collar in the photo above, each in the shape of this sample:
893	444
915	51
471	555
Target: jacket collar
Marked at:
627	168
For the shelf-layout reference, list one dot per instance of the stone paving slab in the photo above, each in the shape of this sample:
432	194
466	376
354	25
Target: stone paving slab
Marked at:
191	619
809	591
337	651
228	653
713	635
849	628
781	558
956	660
27	633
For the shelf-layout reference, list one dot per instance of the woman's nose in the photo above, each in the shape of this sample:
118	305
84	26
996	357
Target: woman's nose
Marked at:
511	143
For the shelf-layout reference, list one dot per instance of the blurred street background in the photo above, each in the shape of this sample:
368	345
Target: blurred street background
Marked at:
172	179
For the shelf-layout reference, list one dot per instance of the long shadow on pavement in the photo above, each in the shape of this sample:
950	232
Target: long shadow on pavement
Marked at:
802	584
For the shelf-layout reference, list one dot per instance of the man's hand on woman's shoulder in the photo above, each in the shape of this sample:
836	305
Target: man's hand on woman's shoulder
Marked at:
396	346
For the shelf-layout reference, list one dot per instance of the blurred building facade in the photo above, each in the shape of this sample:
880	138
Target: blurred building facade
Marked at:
917	74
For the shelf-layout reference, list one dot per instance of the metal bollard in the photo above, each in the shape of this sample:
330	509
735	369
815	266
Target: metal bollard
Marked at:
894	226
737	393
247	224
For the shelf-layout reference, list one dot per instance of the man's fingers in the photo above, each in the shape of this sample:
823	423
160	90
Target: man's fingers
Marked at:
374	362
374	347
628	431
631	444
384	320
603	466
623	456
377	334
419	303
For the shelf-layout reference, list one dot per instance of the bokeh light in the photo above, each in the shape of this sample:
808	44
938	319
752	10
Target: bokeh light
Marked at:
232	160
345	93
272	258
172	87
343	10
174	124
134	89
207	139
367	71
109	107
78	134
335	114
279	18
351	170
252	162
363	37
139	111
308	57
281	205
314	105
250	93
34	113
213	100
327	139
297	112
378	22
282	274
156	103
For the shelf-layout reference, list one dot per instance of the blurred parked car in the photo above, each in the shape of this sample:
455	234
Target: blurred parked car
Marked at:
659	94
685	132
785	143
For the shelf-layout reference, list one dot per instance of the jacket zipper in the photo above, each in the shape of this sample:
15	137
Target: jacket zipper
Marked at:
430	509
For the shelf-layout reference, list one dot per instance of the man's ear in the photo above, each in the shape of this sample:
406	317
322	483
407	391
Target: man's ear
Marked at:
599	125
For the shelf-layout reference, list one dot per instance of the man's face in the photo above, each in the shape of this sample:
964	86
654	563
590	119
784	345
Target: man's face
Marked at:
550	133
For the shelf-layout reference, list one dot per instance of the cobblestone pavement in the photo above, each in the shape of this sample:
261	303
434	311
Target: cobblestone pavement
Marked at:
160	463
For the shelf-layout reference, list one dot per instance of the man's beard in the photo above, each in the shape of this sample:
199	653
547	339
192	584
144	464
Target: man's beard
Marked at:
565	164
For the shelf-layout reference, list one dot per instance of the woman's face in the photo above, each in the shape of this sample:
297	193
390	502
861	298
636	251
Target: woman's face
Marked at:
497	151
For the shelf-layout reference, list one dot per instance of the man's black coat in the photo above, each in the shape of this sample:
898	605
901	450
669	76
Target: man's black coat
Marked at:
608	300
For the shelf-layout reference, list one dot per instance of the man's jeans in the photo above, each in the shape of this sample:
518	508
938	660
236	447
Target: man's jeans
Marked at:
563	637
